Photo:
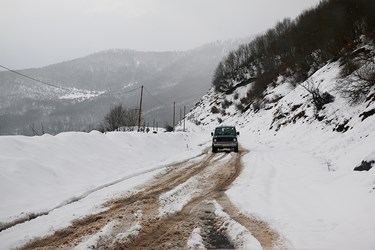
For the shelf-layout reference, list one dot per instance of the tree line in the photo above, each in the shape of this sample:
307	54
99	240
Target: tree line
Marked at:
297	48
119	117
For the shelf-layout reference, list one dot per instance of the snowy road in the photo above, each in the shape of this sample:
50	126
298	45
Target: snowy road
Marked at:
184	207
166	190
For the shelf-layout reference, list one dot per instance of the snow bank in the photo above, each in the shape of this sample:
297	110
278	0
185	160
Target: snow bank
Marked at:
312	206
238	235
92	240
38	174
69	176
195	241
174	200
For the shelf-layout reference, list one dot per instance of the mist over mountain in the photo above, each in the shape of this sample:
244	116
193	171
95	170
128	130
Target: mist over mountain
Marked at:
88	87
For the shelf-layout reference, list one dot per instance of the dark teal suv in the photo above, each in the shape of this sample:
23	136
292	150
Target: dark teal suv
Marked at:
224	137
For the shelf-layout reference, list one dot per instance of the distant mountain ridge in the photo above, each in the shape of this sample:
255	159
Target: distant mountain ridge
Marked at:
177	76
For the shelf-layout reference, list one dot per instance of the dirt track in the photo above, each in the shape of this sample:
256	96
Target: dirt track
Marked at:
148	219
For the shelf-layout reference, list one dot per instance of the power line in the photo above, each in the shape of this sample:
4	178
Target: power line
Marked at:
184	96
99	94
70	90
34	79
120	93
59	87
154	97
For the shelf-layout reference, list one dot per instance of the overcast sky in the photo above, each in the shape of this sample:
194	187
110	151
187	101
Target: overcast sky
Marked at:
36	33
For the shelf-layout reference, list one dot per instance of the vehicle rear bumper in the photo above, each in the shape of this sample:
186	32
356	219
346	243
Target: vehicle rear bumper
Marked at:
225	144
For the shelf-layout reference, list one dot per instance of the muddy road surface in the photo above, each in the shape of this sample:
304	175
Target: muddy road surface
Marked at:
183	208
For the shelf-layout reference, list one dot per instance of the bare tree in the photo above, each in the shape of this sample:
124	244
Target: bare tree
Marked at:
356	86
34	130
116	118
119	118
319	99
131	118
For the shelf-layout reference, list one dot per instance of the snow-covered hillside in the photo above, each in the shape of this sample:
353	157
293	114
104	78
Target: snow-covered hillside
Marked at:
299	169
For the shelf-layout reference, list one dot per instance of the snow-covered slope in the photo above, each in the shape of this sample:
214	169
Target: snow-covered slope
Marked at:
299	169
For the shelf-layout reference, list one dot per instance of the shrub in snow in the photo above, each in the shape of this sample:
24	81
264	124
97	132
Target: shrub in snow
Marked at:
371	97
365	165
327	98
240	107
226	104
319	99
356	86
168	128
343	127
366	114
214	110
257	105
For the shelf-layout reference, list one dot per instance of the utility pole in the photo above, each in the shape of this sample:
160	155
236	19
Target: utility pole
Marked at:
174	114
184	117
140	111
180	117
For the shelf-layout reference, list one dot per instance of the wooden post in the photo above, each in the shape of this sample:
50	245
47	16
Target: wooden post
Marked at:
140	111
184	117
174	114
179	122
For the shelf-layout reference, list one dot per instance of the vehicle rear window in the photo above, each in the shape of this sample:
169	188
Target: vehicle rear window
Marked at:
225	131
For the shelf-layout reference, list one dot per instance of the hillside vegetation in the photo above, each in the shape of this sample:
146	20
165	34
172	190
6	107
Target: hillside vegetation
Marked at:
295	49
310	81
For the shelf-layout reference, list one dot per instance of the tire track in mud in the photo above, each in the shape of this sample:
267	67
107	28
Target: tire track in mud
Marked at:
136	222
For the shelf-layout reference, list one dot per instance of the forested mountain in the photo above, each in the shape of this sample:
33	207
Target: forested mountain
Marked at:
295	49
316	72
88	87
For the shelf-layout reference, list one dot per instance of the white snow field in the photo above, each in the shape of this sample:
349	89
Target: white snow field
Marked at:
298	173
